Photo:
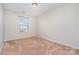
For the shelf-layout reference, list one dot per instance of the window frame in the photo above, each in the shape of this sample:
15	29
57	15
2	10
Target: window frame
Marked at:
20	29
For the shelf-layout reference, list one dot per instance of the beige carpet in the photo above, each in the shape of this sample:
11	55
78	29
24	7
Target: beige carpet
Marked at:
36	46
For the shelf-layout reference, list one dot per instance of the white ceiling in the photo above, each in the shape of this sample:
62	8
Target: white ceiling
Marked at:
29	9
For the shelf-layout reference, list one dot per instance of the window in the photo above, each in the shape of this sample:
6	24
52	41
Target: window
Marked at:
23	23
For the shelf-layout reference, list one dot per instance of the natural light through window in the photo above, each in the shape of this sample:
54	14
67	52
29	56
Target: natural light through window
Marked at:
23	23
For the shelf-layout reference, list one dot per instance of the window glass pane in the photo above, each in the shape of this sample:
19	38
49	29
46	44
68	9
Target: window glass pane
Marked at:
23	23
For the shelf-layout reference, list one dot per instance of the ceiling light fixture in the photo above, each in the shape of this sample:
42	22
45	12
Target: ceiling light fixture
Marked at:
34	4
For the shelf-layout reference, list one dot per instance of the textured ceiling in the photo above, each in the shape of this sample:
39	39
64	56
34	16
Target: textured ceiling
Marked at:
29	9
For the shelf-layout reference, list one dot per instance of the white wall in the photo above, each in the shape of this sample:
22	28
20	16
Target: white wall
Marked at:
1	22
12	26
61	25
1	27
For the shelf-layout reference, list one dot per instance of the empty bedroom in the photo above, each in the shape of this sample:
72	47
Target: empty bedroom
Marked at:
39	28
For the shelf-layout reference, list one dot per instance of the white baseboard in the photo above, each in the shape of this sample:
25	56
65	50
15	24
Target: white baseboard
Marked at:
72	46
19	38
